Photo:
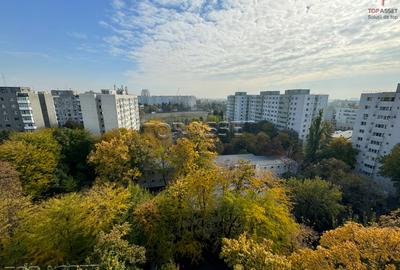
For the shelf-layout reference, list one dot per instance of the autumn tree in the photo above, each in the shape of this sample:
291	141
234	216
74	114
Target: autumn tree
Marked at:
64	229
245	253
317	203
195	150
35	156
113	252
160	135
12	206
187	220
352	247
121	156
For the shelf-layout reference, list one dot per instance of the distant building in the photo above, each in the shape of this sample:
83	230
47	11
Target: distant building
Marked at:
295	109
20	109
376	131
109	110
146	99
345	118
67	106
276	165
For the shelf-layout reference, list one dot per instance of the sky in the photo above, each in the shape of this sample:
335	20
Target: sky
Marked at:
207	48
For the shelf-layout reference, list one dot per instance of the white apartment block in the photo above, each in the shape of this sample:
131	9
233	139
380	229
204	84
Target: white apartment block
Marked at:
345	118
109	110
295	109
376	131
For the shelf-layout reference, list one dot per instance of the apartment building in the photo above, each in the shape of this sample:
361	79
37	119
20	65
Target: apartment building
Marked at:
22	109
67	106
109	110
345	118
376	131
293	110
146	99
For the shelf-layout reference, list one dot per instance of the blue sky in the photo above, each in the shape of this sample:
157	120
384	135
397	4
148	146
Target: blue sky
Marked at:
209	48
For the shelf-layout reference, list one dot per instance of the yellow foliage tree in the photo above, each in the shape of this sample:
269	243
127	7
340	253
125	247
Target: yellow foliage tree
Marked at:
35	156
353	246
64	229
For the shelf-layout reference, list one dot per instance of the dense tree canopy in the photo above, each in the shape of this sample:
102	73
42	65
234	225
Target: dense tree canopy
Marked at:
35	156
317	203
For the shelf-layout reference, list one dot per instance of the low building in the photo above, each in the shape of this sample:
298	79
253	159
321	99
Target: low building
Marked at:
343	134
276	165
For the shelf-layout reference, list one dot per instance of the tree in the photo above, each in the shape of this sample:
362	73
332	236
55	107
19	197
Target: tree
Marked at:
340	149
391	166
160	135
352	247
245	253
35	156
64	229
362	196
121	156
319	135
76	144
187	221
12	206
317	203
196	150
115	253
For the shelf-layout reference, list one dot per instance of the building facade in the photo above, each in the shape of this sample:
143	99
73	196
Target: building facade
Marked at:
345	118
295	109
20	109
109	110
48	109
376	131
146	99
67	106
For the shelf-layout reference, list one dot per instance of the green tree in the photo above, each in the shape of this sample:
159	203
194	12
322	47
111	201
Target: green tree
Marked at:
362	196
391	166
319	135
340	149
35	156
317	203
76	144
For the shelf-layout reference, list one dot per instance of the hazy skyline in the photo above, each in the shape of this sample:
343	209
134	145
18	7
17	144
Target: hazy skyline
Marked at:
207	48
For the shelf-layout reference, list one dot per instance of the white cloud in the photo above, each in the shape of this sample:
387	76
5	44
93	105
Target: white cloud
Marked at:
205	46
